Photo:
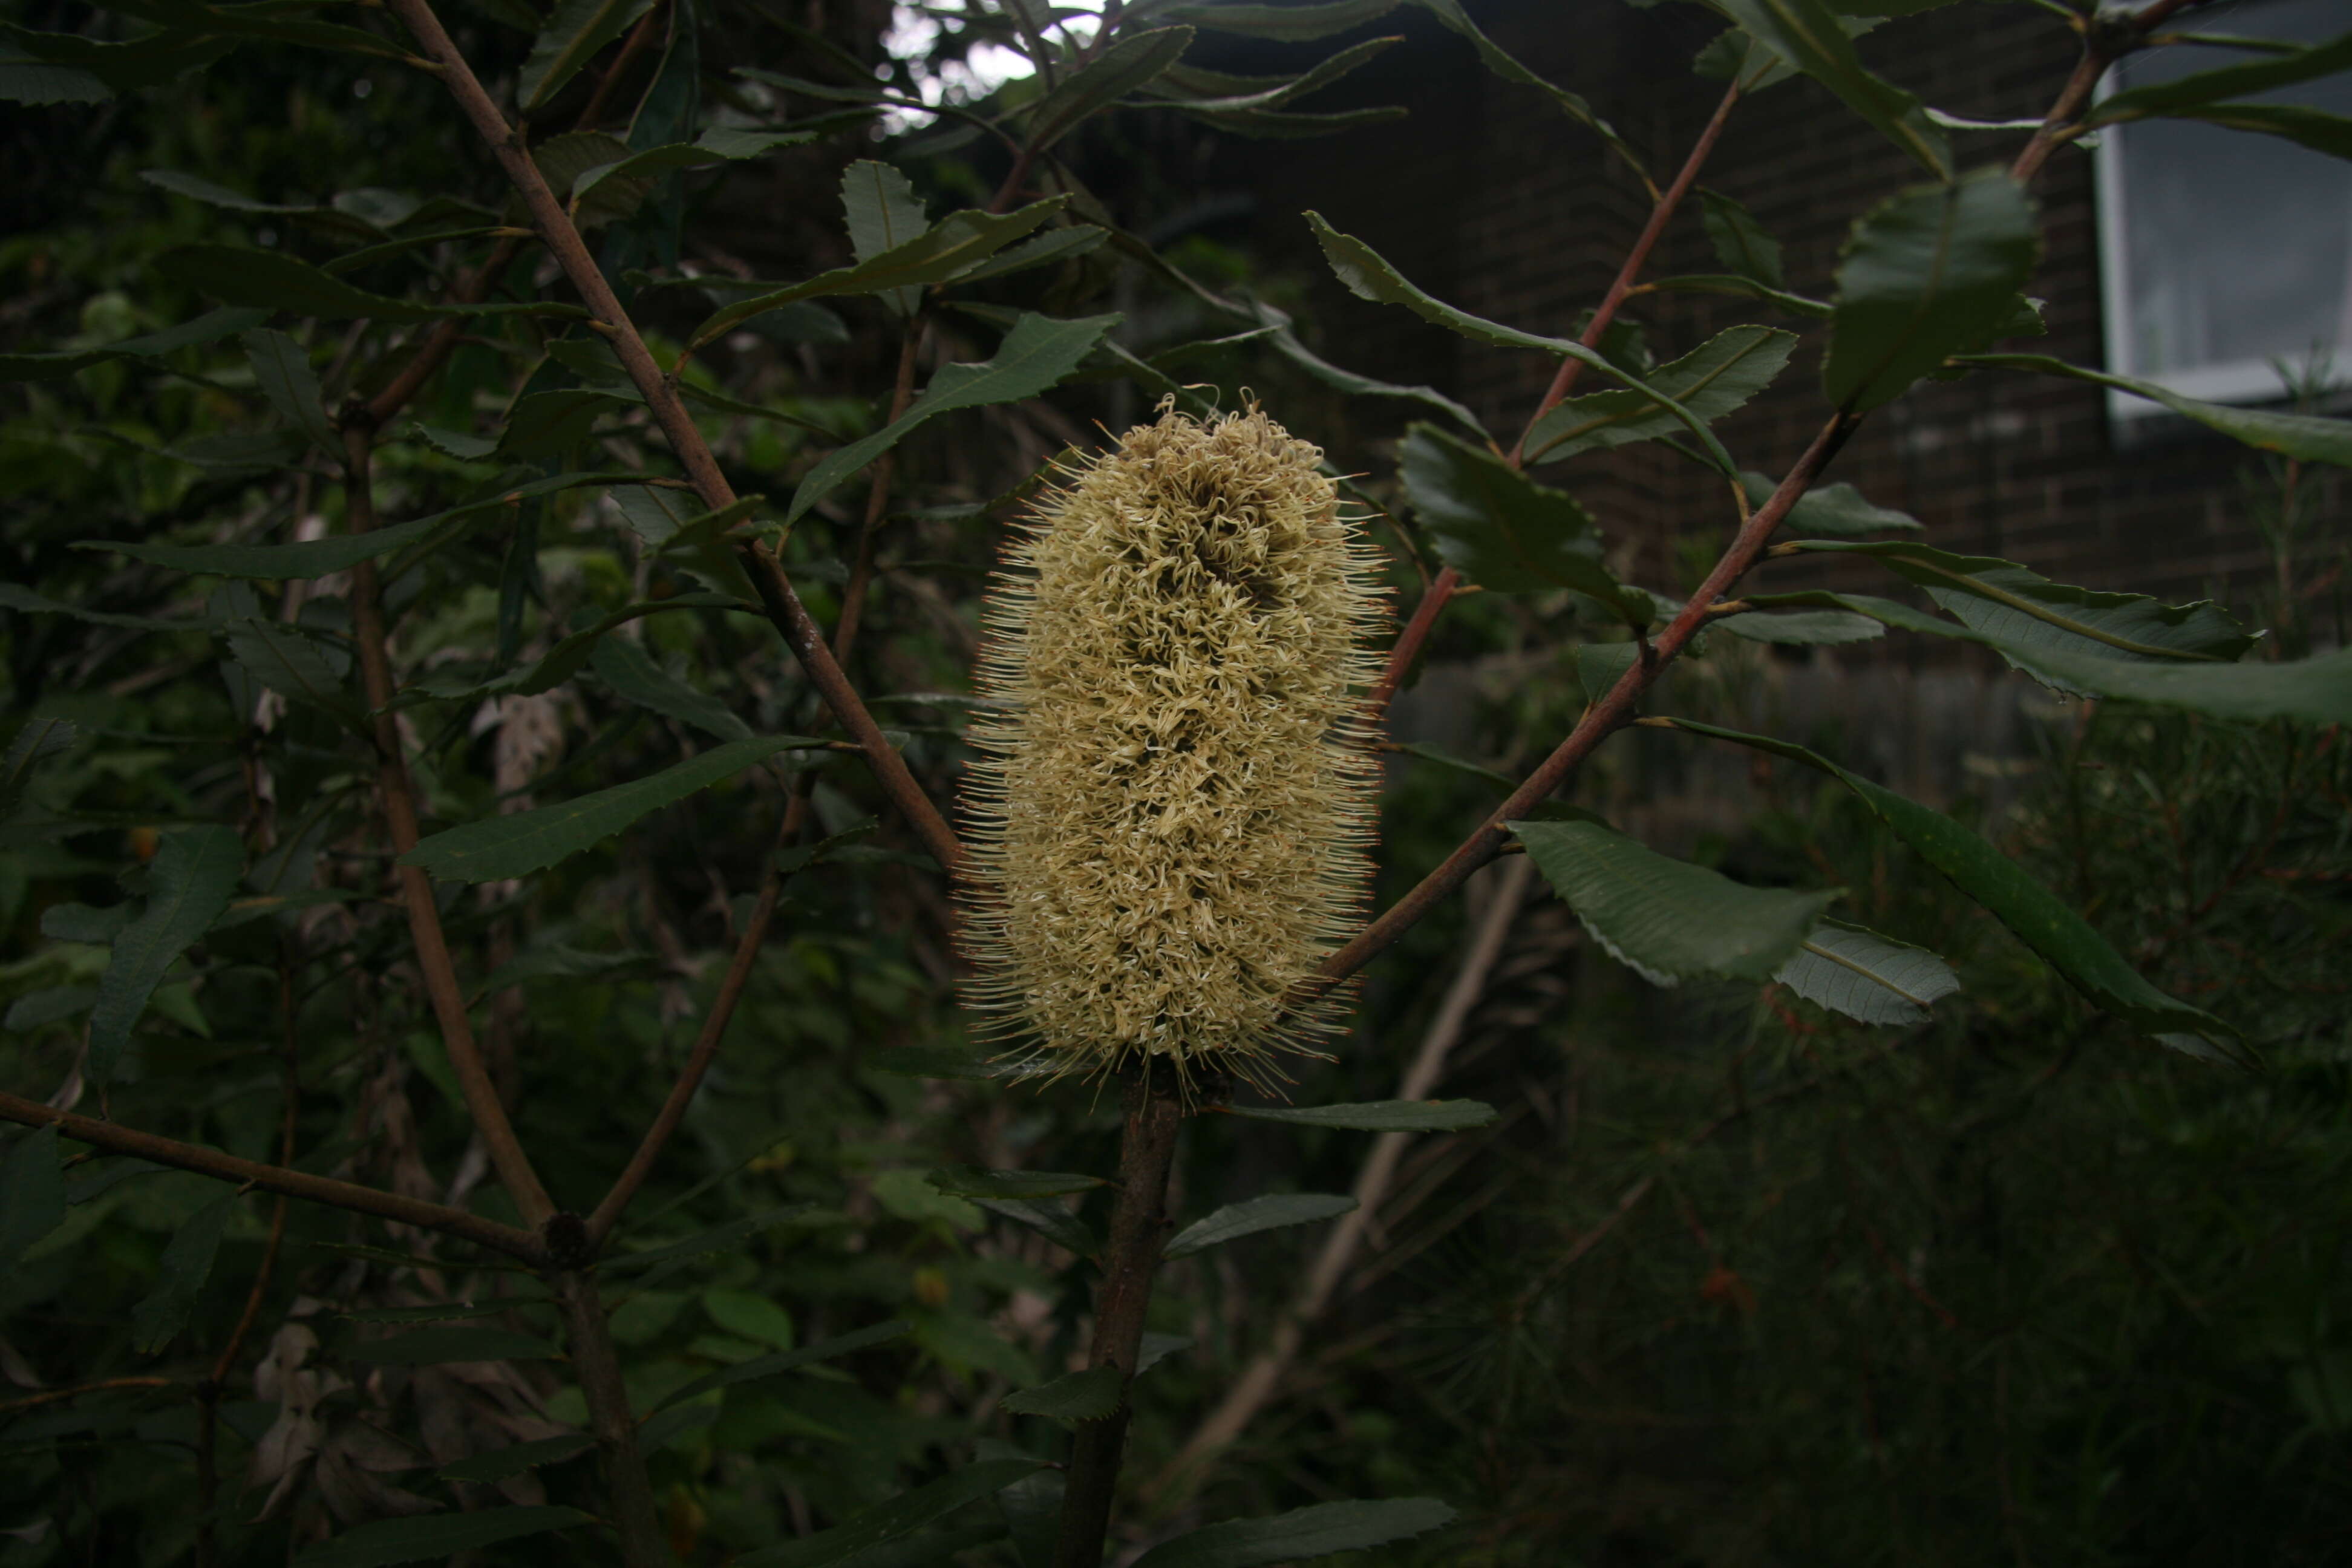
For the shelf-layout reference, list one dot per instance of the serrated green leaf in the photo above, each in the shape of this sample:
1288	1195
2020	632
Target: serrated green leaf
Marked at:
787	1361
882	212
1254	1214
283	373
432	1347
2021	609
2306	437
1808	35
1838	512
1868	976
1745	288
1290	124
516	846
299	667
1300	1536
1668	920
569	40
186	1264
1368	275
1803	629
195	871
1127	65
81	923
1289	23
211	327
1739	241
2202	88
1087	1396
273	280
1713	380
1048	1219
2043	921
895	1518
1262	92
717	145
500	1464
437	1536
1502	529
951	245
966	1181
1036	354
34	83
1041	250
35	739
751	1316
32	1193
1931	272
627	668
1378	1115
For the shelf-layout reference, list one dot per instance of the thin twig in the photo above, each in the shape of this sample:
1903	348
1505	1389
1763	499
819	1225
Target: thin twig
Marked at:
52	1396
399	802
792	618
1661	211
120	1139
1407	645
610	82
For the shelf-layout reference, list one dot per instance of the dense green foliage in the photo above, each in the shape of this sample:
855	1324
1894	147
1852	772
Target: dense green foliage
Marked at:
1804	1258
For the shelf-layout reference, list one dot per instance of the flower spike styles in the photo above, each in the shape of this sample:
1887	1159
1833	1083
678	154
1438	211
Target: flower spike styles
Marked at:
1174	805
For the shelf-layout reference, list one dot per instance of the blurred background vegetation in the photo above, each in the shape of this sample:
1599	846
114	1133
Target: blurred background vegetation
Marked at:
1731	1281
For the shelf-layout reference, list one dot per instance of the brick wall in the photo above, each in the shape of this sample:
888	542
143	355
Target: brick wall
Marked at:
1491	199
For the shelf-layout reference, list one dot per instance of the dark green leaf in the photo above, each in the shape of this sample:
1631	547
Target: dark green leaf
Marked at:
571	39
2021	610
2204	88
1042	250
965	1181
883	213
951	245
277	562
1739	241
1254	1214
499	1464
725	1237
717	145
272	280
432	1347
195	871
1048	1219
187	1263
32	82
787	1361
1290	24
1809	36
1287	124
1038	352
1368	275
303	668
898	1516
1087	1396
81	923
1667	920
632	673
1246	94
38	1009
1838	512
1299	1535
439	1536
1804	629
1710	382
2306	436
516	846
1378	1115
1118	70
1156	1348
1868	976
283	373
37	738
2043	921
211	327
444	1311
1931	272
1746	288
32	1193
1500	529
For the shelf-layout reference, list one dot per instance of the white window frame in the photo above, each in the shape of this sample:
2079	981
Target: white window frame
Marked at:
2241	381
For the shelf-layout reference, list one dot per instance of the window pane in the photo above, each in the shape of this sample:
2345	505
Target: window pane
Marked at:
2237	248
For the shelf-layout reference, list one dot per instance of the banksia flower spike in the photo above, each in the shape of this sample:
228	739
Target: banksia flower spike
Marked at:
1175	802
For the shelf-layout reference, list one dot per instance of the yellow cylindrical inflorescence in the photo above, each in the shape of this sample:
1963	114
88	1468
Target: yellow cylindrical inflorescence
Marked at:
1175	799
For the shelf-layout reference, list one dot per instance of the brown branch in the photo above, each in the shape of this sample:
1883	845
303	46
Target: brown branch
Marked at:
610	82
636	1518
1407	648
1662	210
2105	40
52	1396
1601	719
1258	1382
1147	1146
399	801
120	1139
557	231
